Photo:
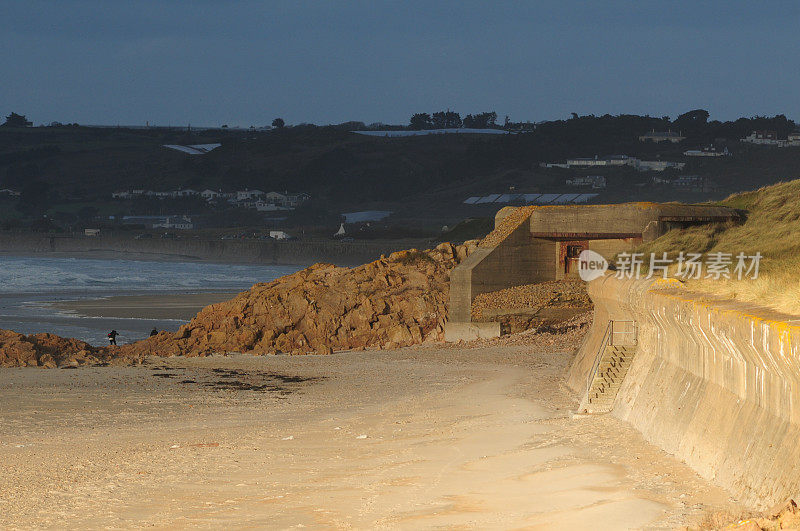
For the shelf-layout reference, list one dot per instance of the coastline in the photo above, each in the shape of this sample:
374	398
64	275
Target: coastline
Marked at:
85	298
190	249
163	306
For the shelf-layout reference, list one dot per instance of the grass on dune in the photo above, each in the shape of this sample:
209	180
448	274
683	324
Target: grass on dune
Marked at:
772	227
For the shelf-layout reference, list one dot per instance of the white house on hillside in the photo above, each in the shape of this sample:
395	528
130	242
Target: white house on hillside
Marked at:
762	137
293	200
267	206
710	151
278	235
209	195
175	222
275	198
286	199
249	195
595	181
658	165
610	160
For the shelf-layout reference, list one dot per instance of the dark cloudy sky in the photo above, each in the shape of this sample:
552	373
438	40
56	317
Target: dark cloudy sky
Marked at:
244	63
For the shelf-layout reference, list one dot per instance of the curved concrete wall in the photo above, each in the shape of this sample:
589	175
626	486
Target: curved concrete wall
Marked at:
716	383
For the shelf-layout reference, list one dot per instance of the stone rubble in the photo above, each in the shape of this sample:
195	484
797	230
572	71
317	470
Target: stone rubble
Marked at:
50	351
532	305
392	302
563	336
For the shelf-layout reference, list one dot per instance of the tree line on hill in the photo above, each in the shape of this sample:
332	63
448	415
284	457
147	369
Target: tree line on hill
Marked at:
51	167
694	123
452	120
16	120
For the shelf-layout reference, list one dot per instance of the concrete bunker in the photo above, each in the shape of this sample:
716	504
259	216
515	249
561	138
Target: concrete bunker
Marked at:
535	244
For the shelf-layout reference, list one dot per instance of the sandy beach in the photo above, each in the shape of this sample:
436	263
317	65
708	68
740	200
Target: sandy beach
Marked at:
165	306
451	436
87	297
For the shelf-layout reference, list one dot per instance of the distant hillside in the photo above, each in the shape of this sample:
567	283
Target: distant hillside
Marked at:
90	163
66	169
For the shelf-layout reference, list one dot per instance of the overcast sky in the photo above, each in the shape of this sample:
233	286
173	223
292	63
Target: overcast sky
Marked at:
244	63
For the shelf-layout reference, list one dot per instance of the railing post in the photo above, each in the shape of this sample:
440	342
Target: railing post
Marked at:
599	357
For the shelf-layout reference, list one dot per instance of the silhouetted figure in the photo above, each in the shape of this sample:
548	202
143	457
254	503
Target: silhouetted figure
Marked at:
112	337
153	332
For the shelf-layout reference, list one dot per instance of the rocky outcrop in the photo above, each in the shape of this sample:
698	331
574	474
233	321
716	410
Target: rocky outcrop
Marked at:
392	302
48	350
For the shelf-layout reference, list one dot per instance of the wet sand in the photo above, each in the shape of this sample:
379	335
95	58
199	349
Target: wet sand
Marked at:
183	307
414	438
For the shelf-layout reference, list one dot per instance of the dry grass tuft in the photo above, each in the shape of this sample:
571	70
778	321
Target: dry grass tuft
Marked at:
772	228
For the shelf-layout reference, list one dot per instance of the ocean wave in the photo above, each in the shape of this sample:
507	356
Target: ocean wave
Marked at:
76	275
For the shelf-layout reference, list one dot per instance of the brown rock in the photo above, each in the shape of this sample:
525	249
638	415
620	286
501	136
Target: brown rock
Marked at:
391	302
49	351
394	301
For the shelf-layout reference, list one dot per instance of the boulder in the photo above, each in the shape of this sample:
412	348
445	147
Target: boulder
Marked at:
50	351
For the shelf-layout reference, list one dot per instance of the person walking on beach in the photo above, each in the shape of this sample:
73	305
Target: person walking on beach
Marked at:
112	337
153	332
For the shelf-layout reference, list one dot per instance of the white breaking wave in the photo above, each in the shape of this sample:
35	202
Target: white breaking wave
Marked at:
78	275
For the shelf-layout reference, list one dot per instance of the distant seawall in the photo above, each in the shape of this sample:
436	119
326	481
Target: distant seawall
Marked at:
716	383
225	251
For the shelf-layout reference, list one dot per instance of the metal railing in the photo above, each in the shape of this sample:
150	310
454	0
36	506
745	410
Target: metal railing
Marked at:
612	336
599	356
623	333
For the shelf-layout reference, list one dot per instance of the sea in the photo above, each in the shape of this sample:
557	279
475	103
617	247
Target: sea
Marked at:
28	286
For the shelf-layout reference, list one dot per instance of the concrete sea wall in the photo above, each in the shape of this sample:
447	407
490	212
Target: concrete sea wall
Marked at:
226	251
716	383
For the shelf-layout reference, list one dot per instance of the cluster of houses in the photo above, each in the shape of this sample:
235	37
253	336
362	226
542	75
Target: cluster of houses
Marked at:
770	138
686	182
174	222
595	181
256	199
765	137
616	161
708	151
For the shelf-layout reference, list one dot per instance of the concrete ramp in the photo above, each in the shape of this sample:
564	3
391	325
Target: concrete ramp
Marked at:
714	382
